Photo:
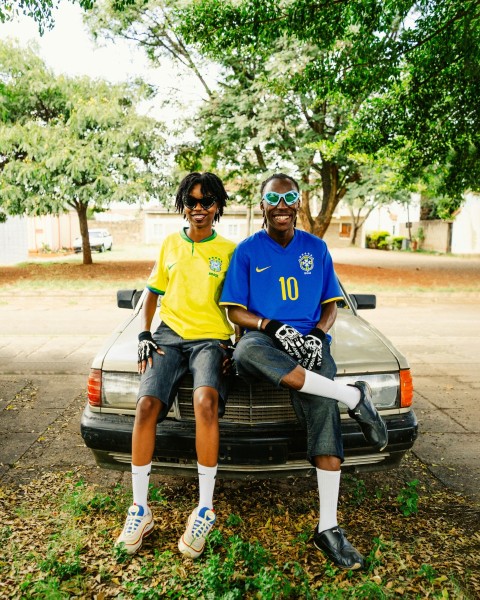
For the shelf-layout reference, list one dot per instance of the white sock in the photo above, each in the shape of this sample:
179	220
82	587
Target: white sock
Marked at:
321	386
206	485
328	488
140	480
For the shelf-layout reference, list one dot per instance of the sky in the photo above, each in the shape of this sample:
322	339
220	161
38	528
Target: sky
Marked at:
68	49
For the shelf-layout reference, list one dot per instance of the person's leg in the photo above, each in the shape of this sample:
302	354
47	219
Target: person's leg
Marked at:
157	388
207	440
256	355
206	358
143	444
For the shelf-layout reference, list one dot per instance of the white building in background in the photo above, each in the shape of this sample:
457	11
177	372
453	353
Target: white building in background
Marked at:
13	241
236	223
394	218
466	226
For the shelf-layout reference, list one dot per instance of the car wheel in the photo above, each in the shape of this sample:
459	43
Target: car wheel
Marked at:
110	249
101	249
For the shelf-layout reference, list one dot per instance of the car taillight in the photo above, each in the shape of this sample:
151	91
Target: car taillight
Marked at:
406	388
95	387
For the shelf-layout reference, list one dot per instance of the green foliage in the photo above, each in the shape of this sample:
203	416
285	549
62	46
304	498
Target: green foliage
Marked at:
71	143
396	242
41	11
378	240
233	521
408	499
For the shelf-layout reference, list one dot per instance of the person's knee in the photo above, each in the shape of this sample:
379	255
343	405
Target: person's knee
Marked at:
206	406
245	350
148	408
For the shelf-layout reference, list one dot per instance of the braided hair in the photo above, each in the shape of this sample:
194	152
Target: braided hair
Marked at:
210	185
283	177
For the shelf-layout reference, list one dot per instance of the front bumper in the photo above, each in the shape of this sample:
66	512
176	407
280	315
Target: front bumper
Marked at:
245	451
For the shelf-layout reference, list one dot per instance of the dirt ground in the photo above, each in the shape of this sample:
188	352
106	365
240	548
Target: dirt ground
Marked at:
432	276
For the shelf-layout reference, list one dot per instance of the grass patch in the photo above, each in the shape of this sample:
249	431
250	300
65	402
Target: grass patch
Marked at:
57	537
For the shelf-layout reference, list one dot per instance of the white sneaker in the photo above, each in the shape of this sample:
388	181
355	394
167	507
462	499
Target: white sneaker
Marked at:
138	525
200	523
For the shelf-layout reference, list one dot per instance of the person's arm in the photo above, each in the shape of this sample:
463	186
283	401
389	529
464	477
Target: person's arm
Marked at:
328	317
148	310
146	343
244	318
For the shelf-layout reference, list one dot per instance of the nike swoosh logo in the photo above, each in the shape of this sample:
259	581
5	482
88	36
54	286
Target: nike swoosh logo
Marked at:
170	266
258	270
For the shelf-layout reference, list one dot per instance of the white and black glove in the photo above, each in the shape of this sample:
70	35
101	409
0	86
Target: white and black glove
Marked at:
146	346
287	338
313	346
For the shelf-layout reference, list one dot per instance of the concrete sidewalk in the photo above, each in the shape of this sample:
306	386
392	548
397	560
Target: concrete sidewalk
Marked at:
48	343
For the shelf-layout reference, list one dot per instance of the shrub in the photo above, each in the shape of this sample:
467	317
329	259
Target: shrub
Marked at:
378	240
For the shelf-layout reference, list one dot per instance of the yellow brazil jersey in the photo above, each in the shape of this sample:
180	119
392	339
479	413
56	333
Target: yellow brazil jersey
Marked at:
190	277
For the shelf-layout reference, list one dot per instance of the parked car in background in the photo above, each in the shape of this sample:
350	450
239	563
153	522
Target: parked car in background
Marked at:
100	240
260	435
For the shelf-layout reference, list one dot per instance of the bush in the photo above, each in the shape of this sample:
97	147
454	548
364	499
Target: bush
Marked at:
378	240
396	242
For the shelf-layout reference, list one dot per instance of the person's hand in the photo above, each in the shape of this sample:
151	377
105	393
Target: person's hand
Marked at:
287	338
146	347
313	346
228	363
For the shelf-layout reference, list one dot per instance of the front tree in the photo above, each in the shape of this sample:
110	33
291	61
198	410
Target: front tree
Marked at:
71	143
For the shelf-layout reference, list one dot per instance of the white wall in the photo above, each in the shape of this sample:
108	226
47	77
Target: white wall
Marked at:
390	218
13	241
466	227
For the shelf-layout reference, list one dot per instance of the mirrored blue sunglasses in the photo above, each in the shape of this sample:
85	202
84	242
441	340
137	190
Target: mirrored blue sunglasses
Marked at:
274	198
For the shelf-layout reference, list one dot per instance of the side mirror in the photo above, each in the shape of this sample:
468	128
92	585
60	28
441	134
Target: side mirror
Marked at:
128	298
363	301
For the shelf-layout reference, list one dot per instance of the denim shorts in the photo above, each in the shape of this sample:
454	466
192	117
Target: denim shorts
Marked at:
203	358
257	356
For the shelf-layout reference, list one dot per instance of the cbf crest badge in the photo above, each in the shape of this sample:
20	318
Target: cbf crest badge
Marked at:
215	264
306	263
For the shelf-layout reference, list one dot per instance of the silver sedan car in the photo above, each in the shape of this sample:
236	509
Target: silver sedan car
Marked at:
260	435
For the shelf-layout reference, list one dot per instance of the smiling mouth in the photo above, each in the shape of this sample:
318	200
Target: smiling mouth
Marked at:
282	218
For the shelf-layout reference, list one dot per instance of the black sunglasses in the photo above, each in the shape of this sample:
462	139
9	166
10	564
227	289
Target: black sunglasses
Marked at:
206	202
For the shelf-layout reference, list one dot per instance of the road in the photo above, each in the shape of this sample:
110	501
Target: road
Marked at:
47	344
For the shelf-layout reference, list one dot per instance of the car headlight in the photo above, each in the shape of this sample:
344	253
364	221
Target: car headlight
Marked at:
119	390
384	388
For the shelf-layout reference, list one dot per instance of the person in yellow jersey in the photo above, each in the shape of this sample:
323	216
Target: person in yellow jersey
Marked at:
189	276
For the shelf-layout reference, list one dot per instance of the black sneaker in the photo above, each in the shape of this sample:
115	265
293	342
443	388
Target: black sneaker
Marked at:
371	423
338	549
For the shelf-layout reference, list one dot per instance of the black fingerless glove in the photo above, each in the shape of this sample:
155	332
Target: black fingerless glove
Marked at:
287	338
313	347
146	346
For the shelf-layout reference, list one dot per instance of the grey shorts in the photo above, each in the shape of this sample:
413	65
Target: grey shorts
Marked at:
257	356
203	358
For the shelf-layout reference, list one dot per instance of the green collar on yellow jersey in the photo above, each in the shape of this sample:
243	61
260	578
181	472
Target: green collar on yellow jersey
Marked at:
183	235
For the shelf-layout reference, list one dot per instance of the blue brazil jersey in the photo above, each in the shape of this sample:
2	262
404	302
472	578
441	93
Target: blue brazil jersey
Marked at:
288	284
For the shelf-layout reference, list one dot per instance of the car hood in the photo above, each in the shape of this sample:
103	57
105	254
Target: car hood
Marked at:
357	347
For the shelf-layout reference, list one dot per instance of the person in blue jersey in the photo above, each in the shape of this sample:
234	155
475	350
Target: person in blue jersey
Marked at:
192	334
281	289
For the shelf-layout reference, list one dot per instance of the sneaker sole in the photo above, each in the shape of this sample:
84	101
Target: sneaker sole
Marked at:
187	550
132	548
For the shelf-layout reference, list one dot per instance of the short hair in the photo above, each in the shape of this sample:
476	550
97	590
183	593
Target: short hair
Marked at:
282	176
211	185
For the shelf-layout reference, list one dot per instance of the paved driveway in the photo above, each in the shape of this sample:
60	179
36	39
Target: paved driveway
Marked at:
47	344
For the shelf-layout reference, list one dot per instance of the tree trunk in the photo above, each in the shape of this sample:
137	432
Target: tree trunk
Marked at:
356	227
82	219
331	197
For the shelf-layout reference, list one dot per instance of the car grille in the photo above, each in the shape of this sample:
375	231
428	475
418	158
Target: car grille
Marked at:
243	406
